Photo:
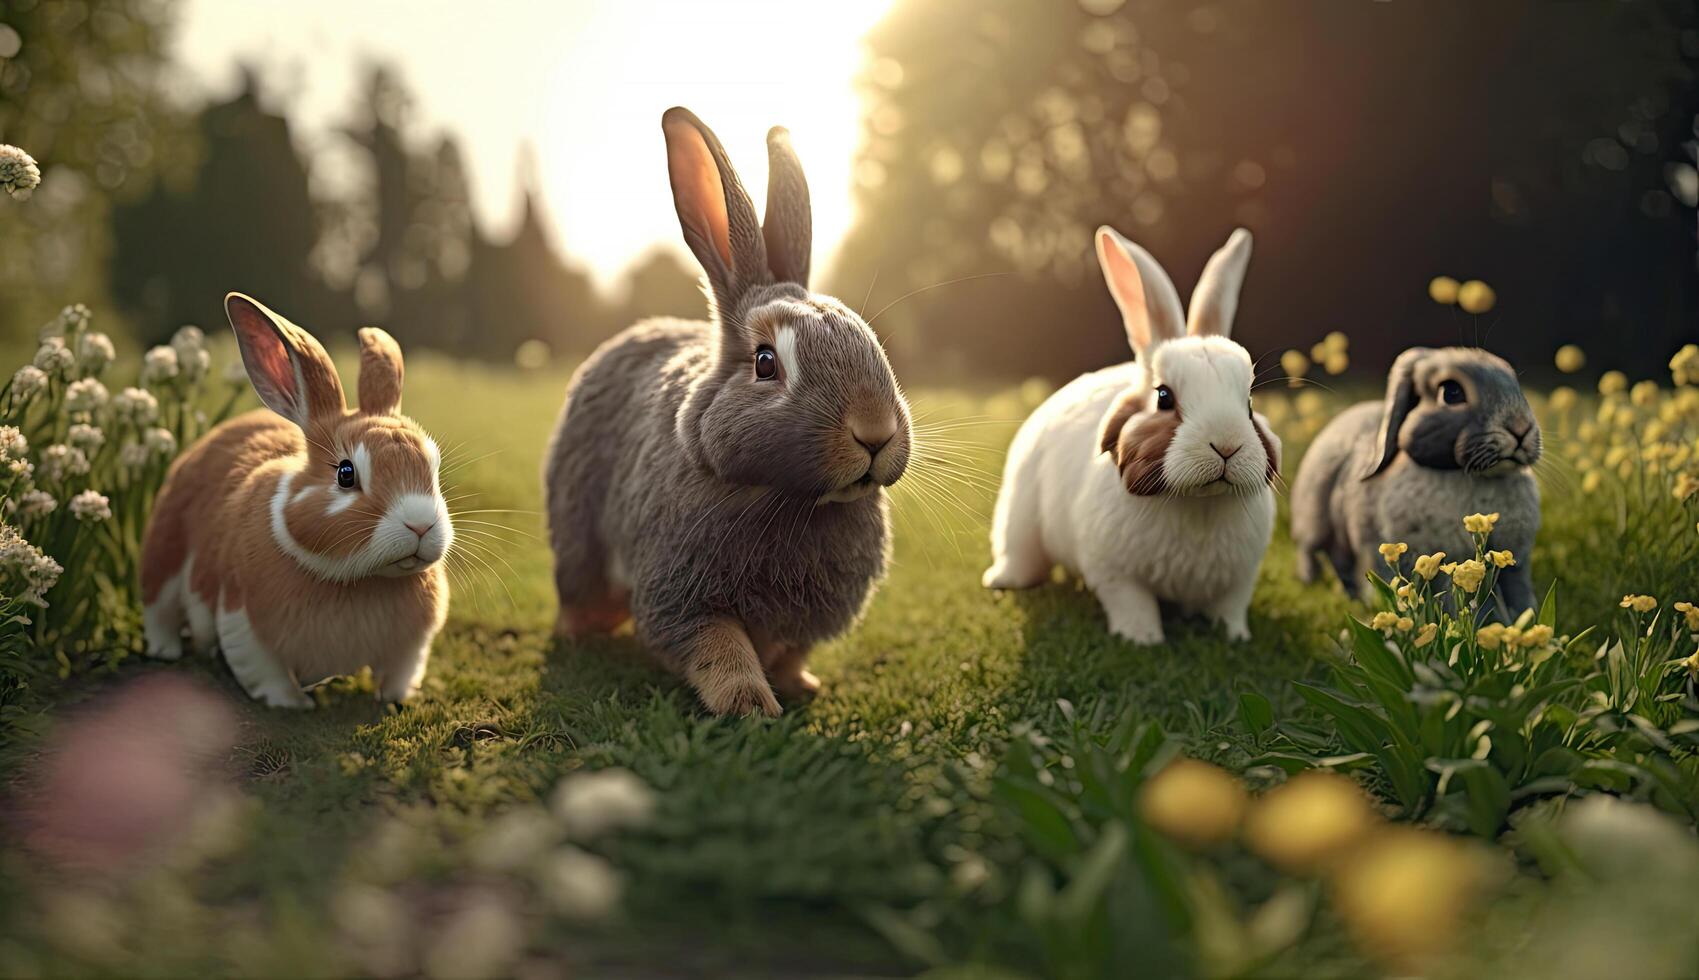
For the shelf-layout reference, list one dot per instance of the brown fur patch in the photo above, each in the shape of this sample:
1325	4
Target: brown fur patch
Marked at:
381	372
1124	408
1139	452
604	614
726	673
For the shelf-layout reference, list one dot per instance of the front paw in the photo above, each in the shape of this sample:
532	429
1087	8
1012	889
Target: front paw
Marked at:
738	696
1237	632
1144	634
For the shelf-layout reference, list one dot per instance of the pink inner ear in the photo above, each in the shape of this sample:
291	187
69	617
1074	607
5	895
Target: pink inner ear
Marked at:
1127	286
265	356
697	190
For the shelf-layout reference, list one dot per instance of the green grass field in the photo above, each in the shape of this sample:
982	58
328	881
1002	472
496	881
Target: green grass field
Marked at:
859	834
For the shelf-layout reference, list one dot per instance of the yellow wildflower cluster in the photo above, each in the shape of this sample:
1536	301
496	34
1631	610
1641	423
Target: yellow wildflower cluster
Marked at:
1387	622
1392	552
1501	559
1480	523
1637	428
1684	366
1466	575
1690	612
1639	603
1496	636
1473	296
1332	353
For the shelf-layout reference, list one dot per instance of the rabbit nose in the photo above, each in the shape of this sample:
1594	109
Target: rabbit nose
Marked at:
1521	429
1225	454
420	529
873	434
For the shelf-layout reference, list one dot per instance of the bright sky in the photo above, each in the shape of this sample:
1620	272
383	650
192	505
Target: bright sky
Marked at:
582	82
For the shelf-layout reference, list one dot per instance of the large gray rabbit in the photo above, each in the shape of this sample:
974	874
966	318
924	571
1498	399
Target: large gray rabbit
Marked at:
721	482
1454	436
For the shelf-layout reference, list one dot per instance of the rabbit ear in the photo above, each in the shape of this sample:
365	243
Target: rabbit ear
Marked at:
788	226
1150	307
380	372
714	210
1216	297
292	374
1401	398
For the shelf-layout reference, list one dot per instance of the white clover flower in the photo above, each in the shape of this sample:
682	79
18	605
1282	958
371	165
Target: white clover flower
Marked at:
28	382
136	406
196	364
21	468
75	317
579	885
188	339
86	437
54	358
159	364
26	571
132	455
95	351
86	395
592	803
13	445
36	503
19	175
91	507
160	442
59	462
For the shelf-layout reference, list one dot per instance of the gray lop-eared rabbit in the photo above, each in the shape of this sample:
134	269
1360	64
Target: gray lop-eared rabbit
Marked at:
720	482
1454	436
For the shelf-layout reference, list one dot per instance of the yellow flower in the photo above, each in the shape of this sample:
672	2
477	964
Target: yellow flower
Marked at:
1443	290
1309	822
1639	603
1535	636
1404	624
1337	363
1613	383
1295	364
1511	637
1406	594
1645	393
1193	803
1476	296
1570	359
1468	575
1391	552
1690	612
1685	486
1480	523
1562	398
1426	634
1490	636
1692	663
1384	621
1684	366
1501	559
1406	893
1427	566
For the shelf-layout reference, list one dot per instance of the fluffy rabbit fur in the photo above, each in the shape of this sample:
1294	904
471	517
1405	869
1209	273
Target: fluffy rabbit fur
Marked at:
1150	479
304	540
721	482
1454	436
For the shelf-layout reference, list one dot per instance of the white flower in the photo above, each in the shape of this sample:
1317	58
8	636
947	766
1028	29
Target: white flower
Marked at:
88	438
53	357
19	174
26	571
235	372
515	840
13	445
483	939
159	364
136	406
21	468
187	339
594	802
87	395
132	455
578	885
95	351
28	382
91	507
160	442
196	364
60	462
75	317
36	503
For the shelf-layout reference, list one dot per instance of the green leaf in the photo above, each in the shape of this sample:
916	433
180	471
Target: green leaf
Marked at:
1256	712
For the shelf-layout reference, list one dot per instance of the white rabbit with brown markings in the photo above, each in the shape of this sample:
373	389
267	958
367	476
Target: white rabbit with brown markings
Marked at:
1152	479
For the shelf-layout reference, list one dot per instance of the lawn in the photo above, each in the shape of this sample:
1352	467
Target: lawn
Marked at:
870	832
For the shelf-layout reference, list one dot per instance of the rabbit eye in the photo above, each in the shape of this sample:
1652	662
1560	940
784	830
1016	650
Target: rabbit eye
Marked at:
1451	393
345	474
1165	398
766	363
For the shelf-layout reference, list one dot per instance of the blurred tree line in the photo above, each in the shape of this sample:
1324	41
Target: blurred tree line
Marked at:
1546	148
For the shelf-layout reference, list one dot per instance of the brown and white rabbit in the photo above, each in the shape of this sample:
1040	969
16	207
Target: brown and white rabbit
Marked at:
721	482
304	540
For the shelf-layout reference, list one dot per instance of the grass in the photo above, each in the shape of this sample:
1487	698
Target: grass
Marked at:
856	835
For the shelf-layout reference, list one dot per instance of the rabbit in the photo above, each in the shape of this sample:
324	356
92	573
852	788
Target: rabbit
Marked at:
721	482
303	540
1454	436
1152	480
